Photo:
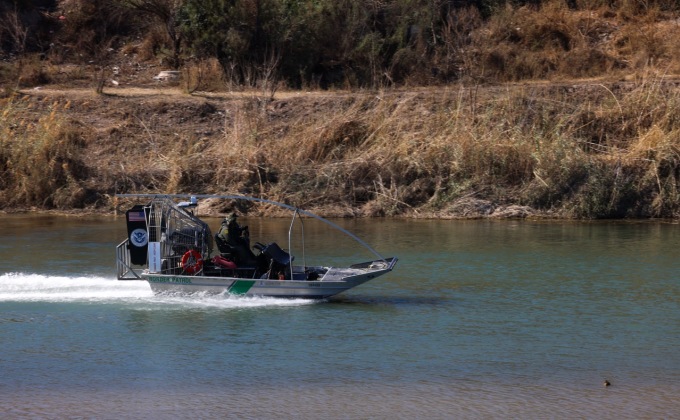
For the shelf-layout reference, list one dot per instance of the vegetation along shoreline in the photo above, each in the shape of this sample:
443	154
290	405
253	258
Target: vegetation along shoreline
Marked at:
543	109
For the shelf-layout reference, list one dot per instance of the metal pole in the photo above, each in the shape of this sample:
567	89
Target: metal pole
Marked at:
290	249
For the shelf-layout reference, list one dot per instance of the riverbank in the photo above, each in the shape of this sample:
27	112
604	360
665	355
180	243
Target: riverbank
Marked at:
584	150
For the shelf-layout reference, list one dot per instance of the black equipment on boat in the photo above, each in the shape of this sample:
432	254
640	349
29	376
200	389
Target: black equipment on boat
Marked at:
137	234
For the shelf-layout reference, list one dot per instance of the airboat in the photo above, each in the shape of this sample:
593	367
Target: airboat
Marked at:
173	250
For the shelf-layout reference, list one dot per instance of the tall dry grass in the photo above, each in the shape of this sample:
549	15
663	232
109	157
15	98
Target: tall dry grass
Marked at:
583	151
555	42
40	156
594	153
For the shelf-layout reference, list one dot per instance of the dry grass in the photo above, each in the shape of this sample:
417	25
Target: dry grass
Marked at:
587	154
592	150
40	157
554	42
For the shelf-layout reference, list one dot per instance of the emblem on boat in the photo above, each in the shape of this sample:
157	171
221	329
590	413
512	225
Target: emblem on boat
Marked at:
138	237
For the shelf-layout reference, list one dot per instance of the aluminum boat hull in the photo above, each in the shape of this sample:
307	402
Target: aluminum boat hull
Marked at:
336	280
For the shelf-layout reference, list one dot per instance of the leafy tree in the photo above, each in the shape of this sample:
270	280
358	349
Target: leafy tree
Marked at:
240	34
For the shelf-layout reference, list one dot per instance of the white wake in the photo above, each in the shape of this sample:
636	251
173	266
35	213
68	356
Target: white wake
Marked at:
23	287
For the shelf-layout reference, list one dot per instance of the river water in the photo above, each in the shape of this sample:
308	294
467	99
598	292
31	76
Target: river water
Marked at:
480	319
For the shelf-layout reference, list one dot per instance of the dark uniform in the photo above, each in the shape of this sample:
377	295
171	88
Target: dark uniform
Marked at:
232	233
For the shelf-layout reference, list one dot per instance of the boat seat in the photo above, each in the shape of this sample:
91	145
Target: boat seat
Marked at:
274	251
223	246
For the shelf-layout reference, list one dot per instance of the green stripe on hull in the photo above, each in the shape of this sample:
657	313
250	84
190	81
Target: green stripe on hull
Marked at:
241	287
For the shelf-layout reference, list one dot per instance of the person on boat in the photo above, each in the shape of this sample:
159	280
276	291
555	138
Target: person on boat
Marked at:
232	233
233	241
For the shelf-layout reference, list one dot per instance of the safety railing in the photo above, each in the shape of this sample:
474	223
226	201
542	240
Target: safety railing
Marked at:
124	267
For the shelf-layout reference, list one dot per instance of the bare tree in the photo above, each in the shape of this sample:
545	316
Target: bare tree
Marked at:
17	32
164	11
268	74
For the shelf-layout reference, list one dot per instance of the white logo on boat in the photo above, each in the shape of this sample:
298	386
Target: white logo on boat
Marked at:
138	237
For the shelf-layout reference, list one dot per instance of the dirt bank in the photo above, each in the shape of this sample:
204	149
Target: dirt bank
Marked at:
512	151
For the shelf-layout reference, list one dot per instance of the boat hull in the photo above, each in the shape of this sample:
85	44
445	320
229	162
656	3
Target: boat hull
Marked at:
335	281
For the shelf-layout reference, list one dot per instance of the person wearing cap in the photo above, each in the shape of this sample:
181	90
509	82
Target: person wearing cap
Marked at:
232	233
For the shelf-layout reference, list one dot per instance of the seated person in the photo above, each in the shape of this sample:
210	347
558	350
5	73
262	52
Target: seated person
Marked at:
232	233
237	240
